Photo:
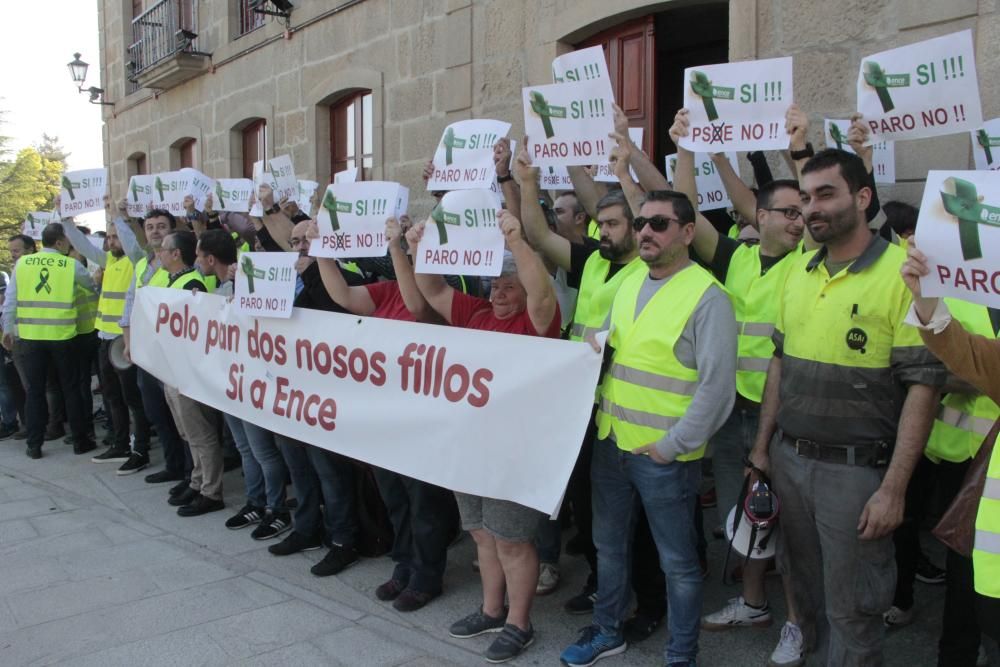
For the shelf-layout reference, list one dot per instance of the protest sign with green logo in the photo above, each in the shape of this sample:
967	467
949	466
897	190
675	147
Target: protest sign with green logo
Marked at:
199	187
233	194
711	191
82	191
141	195
34	223
265	284
463	236
463	159
738	106
605	173
984	140
568	123
959	231
583	65
352	217
262	176
349	175
283	175
306	191
926	89
883	151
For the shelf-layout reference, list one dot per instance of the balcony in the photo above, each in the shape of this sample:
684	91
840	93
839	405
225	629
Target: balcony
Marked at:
164	52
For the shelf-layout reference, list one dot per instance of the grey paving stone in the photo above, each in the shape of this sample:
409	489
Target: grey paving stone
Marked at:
189	647
16	530
361	646
119	558
263	630
29	507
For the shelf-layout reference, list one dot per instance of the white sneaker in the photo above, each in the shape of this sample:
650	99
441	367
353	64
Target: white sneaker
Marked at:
790	651
897	618
737	614
548	578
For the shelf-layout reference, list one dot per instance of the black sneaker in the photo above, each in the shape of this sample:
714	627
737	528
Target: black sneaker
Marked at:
179	488
112	455
84	447
295	543
163	476
582	603
272	525
640	626
134	464
200	505
34	452
182	499
477	623
7	431
335	561
54	433
510	644
928	572
247	516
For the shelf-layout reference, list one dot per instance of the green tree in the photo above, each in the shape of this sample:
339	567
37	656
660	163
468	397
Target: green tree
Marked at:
27	183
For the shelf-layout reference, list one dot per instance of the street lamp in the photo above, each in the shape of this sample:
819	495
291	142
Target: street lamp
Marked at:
78	71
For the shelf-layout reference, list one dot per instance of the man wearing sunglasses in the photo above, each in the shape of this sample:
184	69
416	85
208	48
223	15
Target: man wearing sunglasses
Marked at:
668	388
754	276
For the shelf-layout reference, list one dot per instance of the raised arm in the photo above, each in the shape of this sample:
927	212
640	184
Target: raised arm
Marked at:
706	238
531	272
588	191
414	300
509	187
436	291
743	198
556	248
620	159
355	300
650	178
278	225
857	137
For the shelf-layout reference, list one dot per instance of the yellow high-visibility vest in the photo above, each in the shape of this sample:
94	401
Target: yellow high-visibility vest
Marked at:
46	283
118	272
160	277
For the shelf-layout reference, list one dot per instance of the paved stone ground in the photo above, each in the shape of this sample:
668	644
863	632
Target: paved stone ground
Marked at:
97	569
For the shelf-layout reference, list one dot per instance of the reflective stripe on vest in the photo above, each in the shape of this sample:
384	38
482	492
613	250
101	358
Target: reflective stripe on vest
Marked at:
46	284
646	391
597	292
86	310
986	551
755	301
963	420
118	272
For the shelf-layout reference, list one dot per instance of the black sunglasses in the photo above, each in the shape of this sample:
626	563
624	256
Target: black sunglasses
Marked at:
658	223
789	212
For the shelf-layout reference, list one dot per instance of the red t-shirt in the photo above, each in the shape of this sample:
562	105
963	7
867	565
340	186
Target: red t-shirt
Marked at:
388	300
475	313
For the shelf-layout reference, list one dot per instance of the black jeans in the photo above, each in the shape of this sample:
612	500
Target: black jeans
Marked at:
158	413
39	357
578	495
907	537
959	643
424	520
120	390
86	355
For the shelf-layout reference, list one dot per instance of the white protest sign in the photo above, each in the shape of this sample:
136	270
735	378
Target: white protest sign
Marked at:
261	176
306	191
283	175
82	191
352	219
738	106
555	178
986	145
349	175
200	187
170	188
583	65
34	223
331	380
463	236
883	151
402	201
141	196
233	194
959	231
568	123
464	156
921	90
265	283
712	193
605	174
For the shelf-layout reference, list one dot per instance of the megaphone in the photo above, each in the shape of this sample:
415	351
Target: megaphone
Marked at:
116	354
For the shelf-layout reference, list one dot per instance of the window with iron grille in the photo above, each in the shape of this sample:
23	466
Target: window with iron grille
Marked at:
249	19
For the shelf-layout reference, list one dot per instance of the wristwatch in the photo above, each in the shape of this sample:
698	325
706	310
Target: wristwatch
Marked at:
504	179
806	152
273	210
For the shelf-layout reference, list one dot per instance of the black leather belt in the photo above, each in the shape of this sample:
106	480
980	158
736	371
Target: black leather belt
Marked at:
871	454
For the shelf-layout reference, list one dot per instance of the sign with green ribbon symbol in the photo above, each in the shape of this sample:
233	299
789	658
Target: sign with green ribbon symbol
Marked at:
333	207
987	142
546	112
881	82
250	272
702	86
31	220
158	186
961	199
68	187
442	218
837	136
221	194
450	141
135	190
43	282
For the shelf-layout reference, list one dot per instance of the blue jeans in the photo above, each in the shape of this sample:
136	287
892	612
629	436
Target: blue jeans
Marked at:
730	444
548	540
620	482
264	469
319	478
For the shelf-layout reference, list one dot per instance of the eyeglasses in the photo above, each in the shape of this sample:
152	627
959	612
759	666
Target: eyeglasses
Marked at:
658	223
789	212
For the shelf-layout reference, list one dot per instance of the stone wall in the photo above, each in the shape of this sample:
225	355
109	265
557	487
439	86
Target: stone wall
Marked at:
430	62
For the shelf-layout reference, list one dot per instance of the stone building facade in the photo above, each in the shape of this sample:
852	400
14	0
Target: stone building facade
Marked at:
204	101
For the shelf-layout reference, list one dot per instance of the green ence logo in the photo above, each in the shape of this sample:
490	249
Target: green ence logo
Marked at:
986	142
962	200
442	218
334	208
135	191
251	272
31	221
221	194
68	187
546	112
450	141
882	82
702	86
158	185
838	137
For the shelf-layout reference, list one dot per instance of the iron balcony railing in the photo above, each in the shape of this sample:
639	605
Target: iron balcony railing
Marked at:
165	29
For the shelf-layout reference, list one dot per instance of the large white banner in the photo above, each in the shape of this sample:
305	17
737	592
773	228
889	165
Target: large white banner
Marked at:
463	236
921	90
959	231
738	106
464	156
352	217
883	151
470	411
712	193
986	145
82	191
568	123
